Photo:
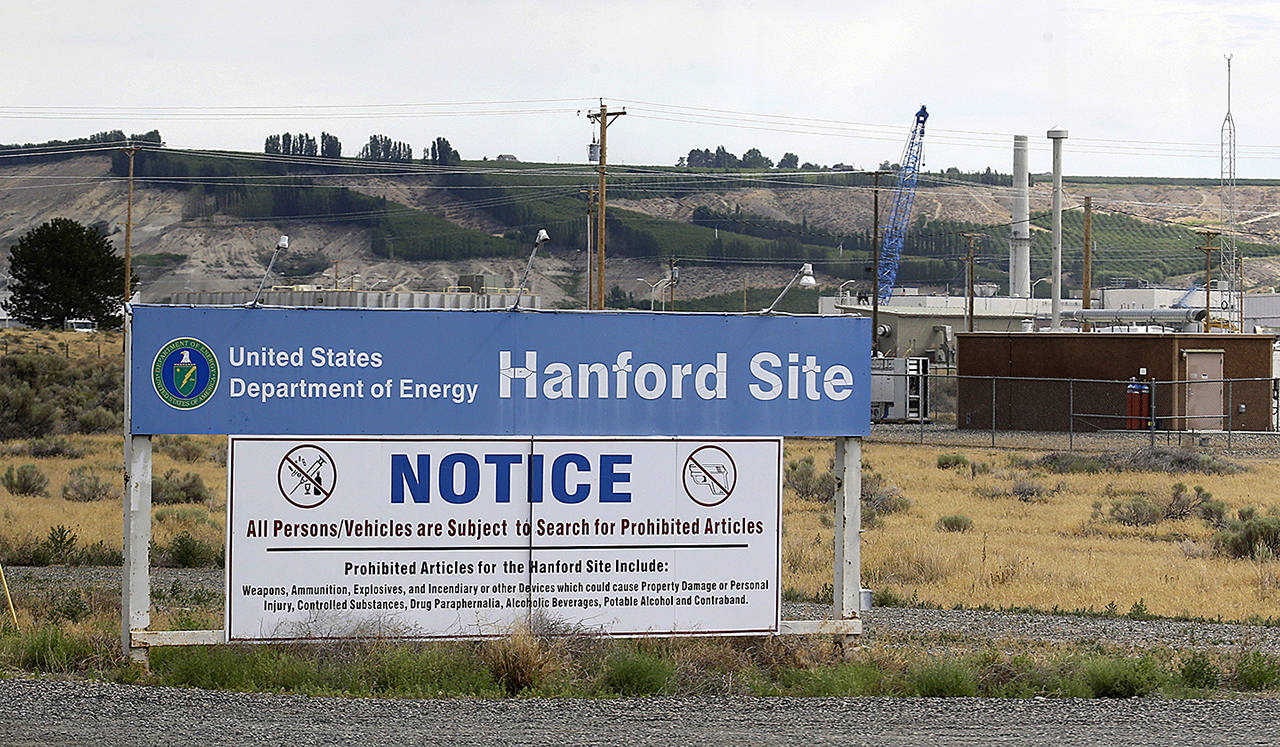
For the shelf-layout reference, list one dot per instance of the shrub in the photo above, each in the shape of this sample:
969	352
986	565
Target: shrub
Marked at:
98	420
84	485
1066	462
1123	678
175	488
1137	511
52	446
1172	459
1199	671
1241	537
1030	491
952	461
61	541
181	448
632	672
1214	513
1183	504
25	480
955	523
25	551
23	414
1257	671
97	554
881	497
186	551
803	477
941	679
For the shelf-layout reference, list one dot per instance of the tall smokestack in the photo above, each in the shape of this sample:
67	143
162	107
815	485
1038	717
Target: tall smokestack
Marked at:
1020	241
1057	135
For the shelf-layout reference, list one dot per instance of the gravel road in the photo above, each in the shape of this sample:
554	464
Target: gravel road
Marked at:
59	712
51	711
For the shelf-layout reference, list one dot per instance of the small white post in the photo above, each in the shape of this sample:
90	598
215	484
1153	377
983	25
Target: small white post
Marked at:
135	603
847	584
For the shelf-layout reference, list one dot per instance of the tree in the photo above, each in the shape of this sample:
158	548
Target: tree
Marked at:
754	159
330	146
442	153
723	159
789	161
63	270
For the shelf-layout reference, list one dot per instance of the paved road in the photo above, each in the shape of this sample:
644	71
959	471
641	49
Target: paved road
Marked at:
59	712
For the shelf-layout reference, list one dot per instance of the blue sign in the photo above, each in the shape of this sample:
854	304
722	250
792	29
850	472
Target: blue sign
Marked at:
301	371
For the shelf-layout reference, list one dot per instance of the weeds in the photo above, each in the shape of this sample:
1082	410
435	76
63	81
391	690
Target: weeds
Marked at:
952	461
520	661
1124	678
632	672
941	678
1199	672
1257	671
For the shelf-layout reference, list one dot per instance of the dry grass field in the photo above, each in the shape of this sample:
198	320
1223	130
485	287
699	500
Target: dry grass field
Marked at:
1047	548
1036	539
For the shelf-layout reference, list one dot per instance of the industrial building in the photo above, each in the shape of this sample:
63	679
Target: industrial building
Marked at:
1033	392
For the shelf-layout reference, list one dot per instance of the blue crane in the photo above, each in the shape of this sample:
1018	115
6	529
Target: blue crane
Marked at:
903	197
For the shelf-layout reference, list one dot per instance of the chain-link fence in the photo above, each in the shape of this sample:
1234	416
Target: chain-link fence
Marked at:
946	409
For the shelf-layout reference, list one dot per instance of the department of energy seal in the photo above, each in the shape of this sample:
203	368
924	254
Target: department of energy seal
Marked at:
185	373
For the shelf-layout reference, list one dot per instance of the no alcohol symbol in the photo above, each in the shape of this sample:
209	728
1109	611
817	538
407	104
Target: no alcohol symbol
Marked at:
306	476
709	475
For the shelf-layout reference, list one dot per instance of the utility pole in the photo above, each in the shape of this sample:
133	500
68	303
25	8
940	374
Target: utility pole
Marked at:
591	209
969	284
1087	270
1208	256
875	264
129	149
605	118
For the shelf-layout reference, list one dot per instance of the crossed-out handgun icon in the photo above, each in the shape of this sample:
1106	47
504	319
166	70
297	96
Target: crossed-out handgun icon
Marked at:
706	474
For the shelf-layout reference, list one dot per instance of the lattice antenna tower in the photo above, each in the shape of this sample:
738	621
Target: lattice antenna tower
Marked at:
1230	268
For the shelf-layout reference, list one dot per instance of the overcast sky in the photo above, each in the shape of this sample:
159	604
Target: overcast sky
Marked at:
831	81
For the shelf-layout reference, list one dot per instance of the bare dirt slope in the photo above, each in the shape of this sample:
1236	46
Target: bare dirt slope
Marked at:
225	253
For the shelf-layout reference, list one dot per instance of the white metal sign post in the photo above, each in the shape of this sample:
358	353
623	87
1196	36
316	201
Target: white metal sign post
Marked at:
541	422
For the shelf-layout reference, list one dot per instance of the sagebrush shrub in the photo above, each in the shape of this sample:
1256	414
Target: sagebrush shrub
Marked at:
84	486
803	477
175	488
25	480
955	523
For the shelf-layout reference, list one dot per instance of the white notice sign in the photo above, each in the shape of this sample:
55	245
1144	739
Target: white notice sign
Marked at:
463	537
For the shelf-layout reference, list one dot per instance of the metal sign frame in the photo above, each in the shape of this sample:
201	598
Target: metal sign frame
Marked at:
137	637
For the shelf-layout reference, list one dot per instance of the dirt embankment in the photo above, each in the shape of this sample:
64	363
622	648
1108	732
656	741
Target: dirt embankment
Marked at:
226	253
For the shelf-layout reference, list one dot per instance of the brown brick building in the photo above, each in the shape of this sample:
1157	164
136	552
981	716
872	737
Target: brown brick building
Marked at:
1032	393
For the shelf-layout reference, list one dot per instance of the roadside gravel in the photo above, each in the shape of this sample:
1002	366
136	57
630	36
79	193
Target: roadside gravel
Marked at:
56	711
67	712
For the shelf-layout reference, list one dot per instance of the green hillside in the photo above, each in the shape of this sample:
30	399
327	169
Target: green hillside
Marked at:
524	197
